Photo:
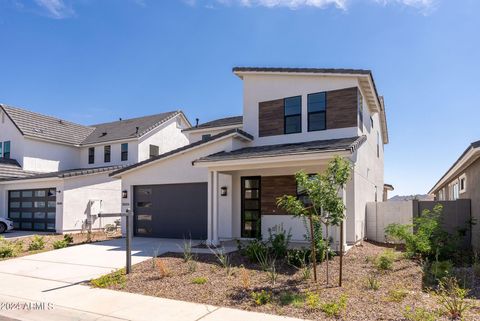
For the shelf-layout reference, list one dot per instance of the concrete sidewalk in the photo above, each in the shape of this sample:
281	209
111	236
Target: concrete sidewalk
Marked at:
79	302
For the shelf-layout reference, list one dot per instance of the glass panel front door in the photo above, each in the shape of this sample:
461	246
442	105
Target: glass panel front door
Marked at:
251	207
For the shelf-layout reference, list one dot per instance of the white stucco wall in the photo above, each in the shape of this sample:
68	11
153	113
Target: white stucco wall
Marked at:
195	136
115	154
258	88
9	132
381	214
42	156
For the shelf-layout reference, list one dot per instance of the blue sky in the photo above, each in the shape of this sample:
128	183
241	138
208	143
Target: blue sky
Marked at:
92	61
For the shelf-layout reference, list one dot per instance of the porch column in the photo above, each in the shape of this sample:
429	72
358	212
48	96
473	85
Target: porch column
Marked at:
212	208
335	230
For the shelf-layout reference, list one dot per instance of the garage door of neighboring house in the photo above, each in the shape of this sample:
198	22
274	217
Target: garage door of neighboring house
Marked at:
33	209
171	211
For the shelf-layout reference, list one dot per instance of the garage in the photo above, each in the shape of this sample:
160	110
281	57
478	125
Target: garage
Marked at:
33	209
171	211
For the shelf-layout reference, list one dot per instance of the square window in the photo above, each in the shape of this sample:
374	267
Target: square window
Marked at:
316	121
293	124
252	194
252	183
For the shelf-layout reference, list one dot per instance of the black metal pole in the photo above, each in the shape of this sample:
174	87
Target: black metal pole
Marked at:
129	217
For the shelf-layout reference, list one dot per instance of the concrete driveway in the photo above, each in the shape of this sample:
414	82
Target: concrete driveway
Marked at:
83	262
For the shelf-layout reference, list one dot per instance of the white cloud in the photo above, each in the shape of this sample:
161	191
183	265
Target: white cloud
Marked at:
56	8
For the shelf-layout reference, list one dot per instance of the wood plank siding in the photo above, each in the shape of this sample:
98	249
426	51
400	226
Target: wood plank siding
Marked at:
271	118
273	187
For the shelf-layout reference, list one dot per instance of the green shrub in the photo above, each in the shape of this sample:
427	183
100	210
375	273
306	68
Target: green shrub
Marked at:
453	300
112	279
37	243
312	300
279	240
68	238
335	308
429	239
397	295
60	244
255	249
261	298
199	280
441	269
291	298
10	248
373	283
384	261
418	314
298	257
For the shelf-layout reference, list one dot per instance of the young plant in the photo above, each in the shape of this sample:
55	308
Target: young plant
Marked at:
192	266
452	298
199	280
187	250
154	257
163	270
441	269
418	314
335	308
312	300
245	277
373	283
320	201
59	244
255	249
279	240
68	238
272	272
9	248
223	259
261	298
384	261
397	295
37	243
297	300
117	278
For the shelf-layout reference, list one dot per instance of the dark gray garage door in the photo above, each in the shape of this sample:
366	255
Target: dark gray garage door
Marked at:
171	211
33	209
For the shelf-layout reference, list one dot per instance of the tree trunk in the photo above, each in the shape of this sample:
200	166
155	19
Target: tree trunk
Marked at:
341	255
328	248
314	256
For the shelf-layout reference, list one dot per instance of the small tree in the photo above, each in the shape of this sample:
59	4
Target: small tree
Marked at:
323	202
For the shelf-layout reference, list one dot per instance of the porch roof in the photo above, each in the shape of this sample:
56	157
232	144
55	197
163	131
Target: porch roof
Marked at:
312	147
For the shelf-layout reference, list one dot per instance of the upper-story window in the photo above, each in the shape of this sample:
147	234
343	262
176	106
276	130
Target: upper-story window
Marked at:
6	149
107	153
91	155
293	115
378	144
124	150
206	137
1	150
317	106
455	191
360	110
154	150
463	183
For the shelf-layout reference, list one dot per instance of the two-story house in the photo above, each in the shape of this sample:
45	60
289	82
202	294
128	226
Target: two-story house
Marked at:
462	181
224	184
54	173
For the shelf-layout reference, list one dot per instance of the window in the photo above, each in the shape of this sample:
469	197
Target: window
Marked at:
378	144
293	115
107	152
6	149
360	111
441	196
463	183
455	192
206	137
124	156
154	151
91	155
1	145
371	122
317	105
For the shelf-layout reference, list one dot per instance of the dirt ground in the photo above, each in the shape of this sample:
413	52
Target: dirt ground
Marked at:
171	277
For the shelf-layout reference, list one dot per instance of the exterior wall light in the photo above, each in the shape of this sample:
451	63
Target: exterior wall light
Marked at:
125	194
223	191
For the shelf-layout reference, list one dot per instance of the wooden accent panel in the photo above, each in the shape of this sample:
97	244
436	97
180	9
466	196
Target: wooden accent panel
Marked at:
271	118
273	187
342	108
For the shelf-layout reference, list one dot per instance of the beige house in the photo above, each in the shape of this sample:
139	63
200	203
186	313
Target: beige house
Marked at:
462	181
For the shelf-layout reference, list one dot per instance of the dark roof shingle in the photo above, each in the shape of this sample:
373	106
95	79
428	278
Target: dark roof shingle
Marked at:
330	145
303	70
222	122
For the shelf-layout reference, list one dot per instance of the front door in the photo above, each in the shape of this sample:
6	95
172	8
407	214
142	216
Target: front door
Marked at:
251	209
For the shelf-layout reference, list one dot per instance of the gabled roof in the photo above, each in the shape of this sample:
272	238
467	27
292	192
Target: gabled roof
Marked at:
235	132
318	146
47	127
54	129
128	128
470	154
222	122
10	168
66	173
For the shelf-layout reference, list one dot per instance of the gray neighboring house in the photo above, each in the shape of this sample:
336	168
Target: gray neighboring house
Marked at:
462	181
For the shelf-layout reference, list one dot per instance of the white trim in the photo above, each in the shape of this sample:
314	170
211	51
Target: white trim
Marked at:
464	178
209	129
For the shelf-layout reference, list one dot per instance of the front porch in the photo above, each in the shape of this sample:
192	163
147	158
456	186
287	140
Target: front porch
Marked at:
242	199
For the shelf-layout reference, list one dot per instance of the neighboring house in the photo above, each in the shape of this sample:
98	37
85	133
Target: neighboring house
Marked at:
462	181
225	183
417	197
54	173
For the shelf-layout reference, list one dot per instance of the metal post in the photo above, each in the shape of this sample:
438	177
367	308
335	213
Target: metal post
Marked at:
129	217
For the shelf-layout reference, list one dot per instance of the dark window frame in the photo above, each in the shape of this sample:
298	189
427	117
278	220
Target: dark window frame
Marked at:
7	151
360	109
285	117
124	152
91	155
107	153
257	229
206	137
155	152
309	113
